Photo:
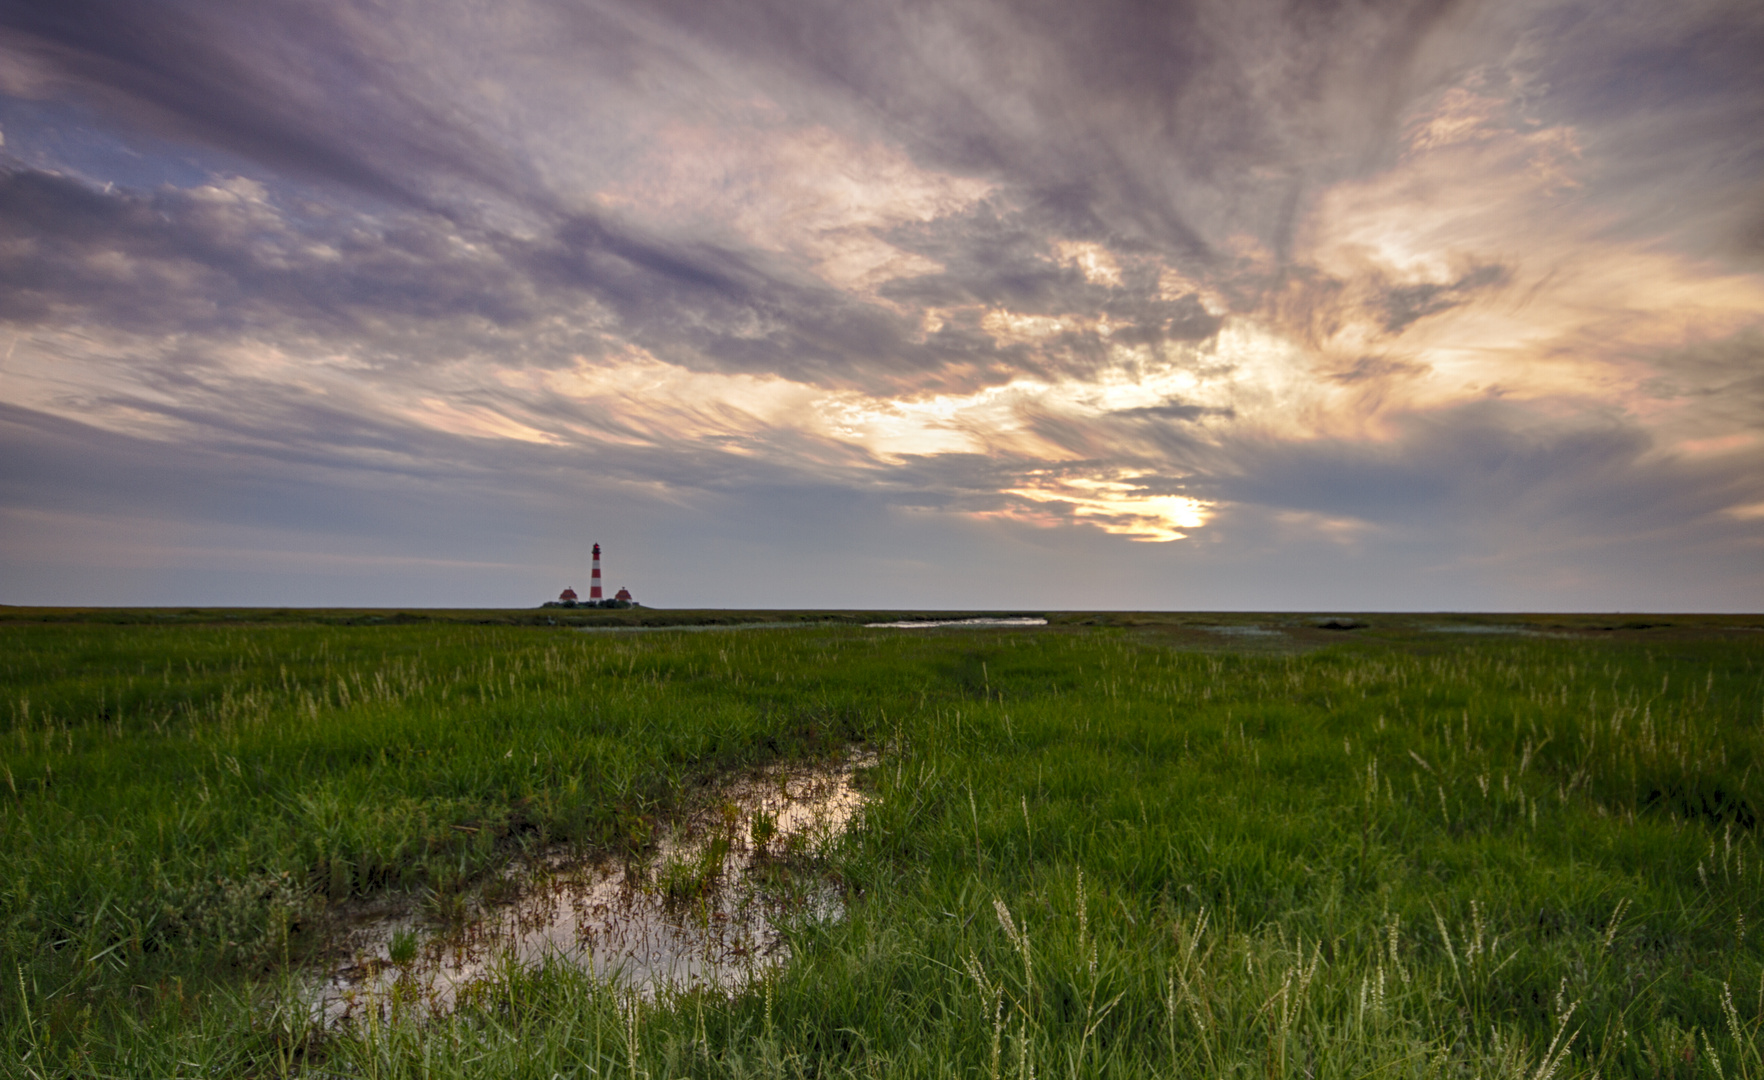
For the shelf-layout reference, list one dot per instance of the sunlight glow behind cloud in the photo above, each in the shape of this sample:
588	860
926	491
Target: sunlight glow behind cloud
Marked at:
1288	283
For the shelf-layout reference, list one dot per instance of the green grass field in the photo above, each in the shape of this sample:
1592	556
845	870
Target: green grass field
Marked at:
1124	845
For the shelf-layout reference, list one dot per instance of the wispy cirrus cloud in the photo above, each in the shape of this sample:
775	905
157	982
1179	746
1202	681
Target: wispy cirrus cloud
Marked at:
1461	291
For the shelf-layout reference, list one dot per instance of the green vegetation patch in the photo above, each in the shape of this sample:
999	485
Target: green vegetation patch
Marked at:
1090	850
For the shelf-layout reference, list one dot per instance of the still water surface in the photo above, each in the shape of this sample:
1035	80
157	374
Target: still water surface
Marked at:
706	910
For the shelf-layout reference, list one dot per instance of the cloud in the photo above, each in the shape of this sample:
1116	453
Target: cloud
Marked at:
224	257
1170	410
241	86
1375	368
1466	285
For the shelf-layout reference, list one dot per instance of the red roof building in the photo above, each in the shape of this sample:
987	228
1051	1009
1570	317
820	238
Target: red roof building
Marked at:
567	594
623	594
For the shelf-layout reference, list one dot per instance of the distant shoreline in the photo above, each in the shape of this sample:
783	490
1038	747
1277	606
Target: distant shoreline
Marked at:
1324	625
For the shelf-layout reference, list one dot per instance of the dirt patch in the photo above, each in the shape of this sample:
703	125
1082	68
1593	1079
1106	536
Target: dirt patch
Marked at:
705	910
931	624
1243	631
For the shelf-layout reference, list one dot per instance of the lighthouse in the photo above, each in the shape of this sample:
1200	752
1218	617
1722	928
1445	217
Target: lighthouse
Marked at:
596	596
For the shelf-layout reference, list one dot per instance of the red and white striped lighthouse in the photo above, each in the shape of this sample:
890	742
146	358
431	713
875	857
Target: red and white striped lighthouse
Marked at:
594	593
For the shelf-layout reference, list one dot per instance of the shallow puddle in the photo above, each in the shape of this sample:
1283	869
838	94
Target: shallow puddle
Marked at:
705	911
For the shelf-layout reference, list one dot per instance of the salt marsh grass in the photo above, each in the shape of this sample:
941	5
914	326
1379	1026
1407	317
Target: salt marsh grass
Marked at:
1085	854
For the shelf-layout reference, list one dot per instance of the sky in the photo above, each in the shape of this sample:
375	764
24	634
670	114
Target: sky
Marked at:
953	304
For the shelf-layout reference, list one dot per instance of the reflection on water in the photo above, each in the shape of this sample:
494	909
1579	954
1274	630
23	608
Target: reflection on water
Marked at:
921	624
704	912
